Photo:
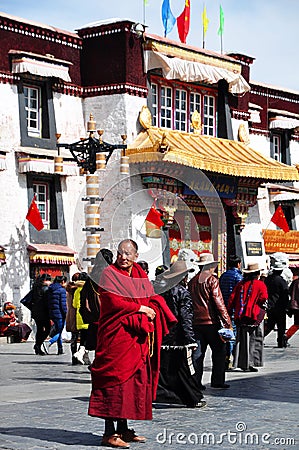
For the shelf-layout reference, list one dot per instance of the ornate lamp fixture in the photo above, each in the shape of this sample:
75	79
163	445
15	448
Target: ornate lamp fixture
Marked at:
92	152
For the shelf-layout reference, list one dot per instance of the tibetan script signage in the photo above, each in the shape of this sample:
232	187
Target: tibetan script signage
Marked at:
254	248
279	241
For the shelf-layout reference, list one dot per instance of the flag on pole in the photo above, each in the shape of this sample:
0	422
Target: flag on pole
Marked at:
33	215
205	21
221	22
168	18
183	22
280	220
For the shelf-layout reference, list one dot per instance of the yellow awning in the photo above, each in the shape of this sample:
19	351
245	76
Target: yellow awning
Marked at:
207	153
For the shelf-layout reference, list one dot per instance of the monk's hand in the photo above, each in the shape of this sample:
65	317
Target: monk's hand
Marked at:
150	313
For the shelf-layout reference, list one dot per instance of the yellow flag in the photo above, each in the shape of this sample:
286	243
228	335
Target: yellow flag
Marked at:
205	20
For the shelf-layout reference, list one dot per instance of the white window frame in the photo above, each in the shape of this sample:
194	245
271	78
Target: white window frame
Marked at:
155	99
209	114
166	99
42	191
181	104
33	110
277	147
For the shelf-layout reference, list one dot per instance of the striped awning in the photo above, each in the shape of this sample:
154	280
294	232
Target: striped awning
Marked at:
41	65
51	254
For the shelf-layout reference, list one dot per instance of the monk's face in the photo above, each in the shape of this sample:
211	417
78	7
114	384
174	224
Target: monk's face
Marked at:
126	255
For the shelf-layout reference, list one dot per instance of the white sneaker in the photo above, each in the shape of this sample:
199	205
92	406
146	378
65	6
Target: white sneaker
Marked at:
79	356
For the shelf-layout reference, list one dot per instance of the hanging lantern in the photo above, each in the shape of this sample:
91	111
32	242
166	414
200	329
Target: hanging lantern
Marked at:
92	186
58	164
93	245
92	216
100	162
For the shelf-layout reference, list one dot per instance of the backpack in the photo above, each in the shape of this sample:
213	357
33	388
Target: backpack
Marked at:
89	302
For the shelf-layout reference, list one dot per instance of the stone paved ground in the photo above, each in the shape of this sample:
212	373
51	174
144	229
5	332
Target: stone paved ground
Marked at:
44	406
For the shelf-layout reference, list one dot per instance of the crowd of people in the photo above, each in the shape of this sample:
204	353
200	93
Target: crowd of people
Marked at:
150	337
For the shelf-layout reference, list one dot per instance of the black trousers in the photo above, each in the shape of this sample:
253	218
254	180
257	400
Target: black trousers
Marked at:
42	331
208	335
276	317
176	382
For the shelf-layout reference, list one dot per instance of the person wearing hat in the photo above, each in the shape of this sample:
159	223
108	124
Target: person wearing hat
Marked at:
177	382
210	315
10	325
248	301
278	292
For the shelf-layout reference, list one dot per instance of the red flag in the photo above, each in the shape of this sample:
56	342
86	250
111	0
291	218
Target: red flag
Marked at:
280	220
183	22
153	223
33	215
154	217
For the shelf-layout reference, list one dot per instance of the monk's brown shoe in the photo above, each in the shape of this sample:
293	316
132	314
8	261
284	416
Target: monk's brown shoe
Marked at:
130	436
114	441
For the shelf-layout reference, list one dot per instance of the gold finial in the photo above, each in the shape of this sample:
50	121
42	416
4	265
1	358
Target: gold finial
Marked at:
100	133
91	124
58	136
124	138
145	117
164	147
196	122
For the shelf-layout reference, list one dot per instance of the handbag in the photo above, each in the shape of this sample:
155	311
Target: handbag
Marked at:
28	300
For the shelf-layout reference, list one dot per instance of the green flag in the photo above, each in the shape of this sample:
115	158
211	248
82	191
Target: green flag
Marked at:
145	2
221	22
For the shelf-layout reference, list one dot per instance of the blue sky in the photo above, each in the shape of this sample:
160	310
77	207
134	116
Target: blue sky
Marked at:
264	29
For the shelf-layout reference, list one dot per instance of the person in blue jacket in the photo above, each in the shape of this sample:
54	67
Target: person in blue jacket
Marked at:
57	309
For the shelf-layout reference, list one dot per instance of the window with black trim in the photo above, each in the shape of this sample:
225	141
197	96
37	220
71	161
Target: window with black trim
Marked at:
37	118
280	146
172	105
43	187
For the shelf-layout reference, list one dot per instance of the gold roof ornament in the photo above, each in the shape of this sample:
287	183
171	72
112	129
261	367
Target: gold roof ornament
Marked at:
196	122
243	135
145	117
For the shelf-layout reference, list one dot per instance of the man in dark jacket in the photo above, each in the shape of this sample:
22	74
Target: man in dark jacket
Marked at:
57	309
278	299
40	311
227	282
177	381
210	315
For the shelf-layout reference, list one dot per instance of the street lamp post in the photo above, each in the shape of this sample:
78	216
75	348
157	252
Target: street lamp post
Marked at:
92	155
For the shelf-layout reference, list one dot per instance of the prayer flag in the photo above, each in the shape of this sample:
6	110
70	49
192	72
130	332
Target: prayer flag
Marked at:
168	18
33	215
221	22
183	22
280	220
205	21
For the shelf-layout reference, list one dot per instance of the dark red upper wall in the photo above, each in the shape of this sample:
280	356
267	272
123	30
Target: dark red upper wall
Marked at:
273	98
31	42
111	57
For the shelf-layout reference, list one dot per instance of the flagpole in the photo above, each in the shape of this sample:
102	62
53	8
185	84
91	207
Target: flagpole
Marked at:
144	1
